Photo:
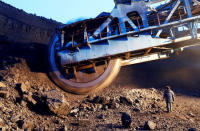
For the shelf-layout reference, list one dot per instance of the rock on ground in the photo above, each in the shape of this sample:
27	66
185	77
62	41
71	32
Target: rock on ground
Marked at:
101	100
57	103
126	100
25	124
126	120
3	91
193	129
2	123
149	125
24	87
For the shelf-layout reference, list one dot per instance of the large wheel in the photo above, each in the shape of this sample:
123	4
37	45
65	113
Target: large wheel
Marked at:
84	82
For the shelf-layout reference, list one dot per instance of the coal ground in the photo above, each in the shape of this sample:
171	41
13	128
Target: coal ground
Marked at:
137	91
25	63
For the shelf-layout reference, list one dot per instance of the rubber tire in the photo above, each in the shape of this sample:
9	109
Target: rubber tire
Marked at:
102	81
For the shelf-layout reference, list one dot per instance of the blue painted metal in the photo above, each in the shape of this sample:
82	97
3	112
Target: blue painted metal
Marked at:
187	5
112	47
128	41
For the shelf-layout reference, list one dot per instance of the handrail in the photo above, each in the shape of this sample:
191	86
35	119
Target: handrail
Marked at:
147	29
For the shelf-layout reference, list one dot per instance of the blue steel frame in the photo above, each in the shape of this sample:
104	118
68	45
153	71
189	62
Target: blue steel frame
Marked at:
129	41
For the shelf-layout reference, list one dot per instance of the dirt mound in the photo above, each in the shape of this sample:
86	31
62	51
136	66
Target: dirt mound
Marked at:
146	99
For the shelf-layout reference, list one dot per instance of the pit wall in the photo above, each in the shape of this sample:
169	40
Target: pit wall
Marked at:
20	27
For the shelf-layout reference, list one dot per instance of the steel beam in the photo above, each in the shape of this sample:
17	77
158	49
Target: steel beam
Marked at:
169	16
116	47
147	29
187	5
144	58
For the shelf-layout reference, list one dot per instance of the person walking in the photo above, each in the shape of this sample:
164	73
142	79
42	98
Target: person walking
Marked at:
169	98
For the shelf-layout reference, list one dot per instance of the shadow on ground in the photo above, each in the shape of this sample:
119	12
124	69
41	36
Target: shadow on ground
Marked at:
33	53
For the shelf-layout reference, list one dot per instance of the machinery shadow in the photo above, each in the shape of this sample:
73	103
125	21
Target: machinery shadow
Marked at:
33	53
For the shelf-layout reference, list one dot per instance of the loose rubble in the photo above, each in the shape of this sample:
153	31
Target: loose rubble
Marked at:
145	100
149	125
126	120
57	103
3	91
30	101
2	123
25	124
126	100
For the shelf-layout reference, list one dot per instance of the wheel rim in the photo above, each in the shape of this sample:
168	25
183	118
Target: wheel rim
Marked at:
103	79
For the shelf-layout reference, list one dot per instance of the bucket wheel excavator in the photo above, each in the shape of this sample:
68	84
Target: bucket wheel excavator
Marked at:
86	56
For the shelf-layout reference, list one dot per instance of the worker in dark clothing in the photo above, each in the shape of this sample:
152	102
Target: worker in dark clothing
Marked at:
169	98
